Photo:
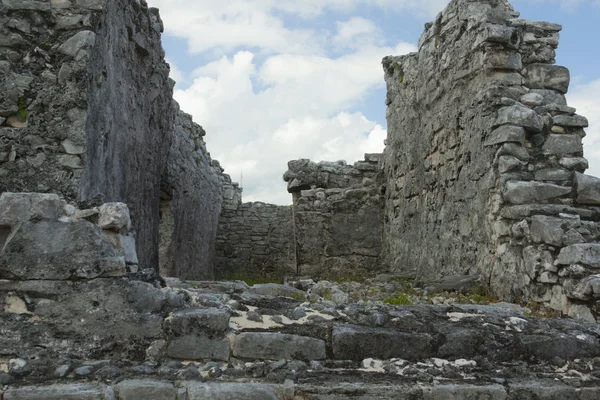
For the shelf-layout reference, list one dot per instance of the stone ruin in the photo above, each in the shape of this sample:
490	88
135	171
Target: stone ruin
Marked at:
115	223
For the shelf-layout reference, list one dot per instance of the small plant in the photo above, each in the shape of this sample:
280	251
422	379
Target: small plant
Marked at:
399	299
22	111
198	160
398	67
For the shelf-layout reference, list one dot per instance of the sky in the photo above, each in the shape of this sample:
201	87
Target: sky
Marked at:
277	80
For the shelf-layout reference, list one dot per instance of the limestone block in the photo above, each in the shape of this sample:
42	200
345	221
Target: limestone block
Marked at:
571	121
532	99
521	116
547	230
128	248
21	207
581	312
562	144
586	290
230	391
506	133
582	253
197	320
588	189
198	347
114	216
26	5
56	392
540	390
518	192
453	391
59	250
278	346
352	342
578	163
547	76
553	174
78	44
133	389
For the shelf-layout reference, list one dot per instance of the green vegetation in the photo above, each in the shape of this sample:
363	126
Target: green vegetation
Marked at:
399	299
198	160
22	112
538	310
398	67
252	280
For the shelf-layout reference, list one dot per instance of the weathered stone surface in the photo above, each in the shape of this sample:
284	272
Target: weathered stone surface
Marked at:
588	189
274	289
583	253
546	76
78	44
521	116
357	343
58	251
21	207
277	346
532	192
114	216
197	320
230	391
540	390
198	347
546	229
466	392
506	133
587	289
562	144
571	121
135	389
56	392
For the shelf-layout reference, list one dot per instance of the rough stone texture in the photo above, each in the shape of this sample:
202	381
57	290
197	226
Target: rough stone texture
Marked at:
254	240
134	389
86	112
337	216
471	132
231	391
56	392
192	188
277	346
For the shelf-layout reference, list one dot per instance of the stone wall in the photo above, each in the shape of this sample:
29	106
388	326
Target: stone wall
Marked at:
484	158
337	217
86	111
191	198
255	241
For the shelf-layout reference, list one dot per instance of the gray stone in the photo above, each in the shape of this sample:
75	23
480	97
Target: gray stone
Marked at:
273	289
59	250
198	347
583	253
465	392
230	391
352	342
587	289
506	133
114	216
571	121
532	192
540	390
532	99
56	392
70	161
521	116
547	76
547	230
72	148
588	189
128	247
21	207
553	174
562	144
78	44
197	320
578	163
135	389
277	346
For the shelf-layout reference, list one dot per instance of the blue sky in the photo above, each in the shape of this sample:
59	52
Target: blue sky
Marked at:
275	80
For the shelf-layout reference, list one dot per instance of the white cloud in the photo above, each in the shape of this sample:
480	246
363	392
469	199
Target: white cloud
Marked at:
300	113
357	32
585	98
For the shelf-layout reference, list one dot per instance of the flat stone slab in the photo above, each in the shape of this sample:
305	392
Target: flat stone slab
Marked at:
230	391
197	320
547	76
55	250
136	389
277	346
353	342
580	253
56	392
588	189
198	347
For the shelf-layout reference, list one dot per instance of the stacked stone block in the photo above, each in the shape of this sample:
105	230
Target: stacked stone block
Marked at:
337	217
484	162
